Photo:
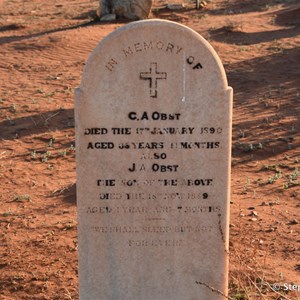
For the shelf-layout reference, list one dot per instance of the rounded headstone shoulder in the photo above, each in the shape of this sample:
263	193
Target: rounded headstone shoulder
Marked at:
184	49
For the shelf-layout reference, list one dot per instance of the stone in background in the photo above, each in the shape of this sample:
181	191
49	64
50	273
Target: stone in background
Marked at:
128	9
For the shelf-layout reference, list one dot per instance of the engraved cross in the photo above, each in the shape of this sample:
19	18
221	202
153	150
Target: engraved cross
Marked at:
153	76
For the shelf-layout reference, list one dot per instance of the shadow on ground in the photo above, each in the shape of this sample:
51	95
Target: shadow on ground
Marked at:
286	17
271	96
246	6
68	194
225	35
11	39
35	124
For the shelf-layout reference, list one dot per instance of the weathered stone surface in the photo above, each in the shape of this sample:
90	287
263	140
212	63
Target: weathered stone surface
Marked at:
104	7
129	9
153	140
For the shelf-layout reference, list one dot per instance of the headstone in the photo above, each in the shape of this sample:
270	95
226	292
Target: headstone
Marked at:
153	140
128	9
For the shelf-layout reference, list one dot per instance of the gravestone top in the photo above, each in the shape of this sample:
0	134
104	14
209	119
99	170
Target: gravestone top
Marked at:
153	140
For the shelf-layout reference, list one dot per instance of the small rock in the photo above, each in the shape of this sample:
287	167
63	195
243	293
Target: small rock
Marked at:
293	222
253	219
271	229
251	208
175	6
108	18
253	214
200	4
203	4
242	215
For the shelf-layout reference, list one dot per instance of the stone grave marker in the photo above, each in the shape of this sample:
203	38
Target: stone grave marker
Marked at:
153	140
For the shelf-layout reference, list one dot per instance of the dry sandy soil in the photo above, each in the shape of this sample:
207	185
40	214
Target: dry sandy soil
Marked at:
44	46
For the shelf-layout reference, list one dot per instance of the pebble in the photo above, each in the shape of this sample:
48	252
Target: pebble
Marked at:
175	6
109	17
293	222
204	3
264	203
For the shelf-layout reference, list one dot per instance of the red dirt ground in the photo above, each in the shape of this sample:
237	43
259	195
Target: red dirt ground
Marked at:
44	45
